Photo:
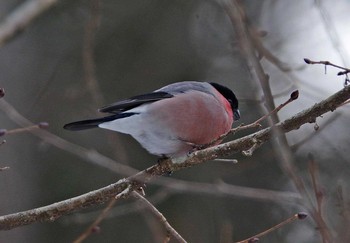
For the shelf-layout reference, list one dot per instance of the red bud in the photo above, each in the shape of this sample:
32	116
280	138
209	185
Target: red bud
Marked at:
302	215
2	92
43	125
253	240
2	132
308	61
294	95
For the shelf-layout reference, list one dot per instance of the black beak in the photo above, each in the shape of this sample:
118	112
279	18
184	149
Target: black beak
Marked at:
236	115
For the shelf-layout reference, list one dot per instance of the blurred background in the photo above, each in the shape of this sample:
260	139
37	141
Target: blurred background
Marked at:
77	56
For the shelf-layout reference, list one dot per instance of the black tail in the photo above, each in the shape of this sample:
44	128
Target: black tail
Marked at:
92	123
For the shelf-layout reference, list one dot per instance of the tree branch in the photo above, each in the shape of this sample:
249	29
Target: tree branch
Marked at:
21	17
159	216
102	195
91	156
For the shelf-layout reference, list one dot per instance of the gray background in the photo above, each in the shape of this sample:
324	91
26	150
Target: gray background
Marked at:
141	46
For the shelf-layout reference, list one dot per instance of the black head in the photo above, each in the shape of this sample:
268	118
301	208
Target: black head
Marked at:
230	96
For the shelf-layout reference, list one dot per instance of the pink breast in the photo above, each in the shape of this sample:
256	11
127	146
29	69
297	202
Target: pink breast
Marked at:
195	117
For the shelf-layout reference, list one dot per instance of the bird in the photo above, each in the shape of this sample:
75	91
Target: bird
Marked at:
171	122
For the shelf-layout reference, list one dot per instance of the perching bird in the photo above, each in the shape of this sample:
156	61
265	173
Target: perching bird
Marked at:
171	121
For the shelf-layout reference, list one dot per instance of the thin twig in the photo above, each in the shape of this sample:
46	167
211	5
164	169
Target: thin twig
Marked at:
238	17
91	156
293	96
102	216
328	63
4	168
87	217
325	232
345	103
273	228
95	224
288	165
231	161
333	118
318	194
236	13
216	189
41	125
264	52
331	31
91	28
160	216
21	17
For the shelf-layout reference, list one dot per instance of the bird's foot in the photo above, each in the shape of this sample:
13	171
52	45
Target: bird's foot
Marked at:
161	163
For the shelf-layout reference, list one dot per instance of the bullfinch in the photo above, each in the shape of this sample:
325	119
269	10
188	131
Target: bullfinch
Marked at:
171	121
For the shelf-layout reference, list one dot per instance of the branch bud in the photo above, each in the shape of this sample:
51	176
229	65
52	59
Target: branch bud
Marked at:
308	61
294	95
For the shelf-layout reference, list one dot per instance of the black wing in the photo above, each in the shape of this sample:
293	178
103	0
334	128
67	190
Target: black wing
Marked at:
92	123
135	101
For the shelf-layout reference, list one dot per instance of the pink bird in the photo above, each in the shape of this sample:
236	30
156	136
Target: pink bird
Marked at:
172	121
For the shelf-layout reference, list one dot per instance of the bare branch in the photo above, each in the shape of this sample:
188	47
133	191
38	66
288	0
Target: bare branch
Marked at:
319	196
277	226
87	217
86	154
237	15
328	63
293	96
91	28
21	17
160	216
331	30
102	215
95	224
4	168
333	118
216	189
102	195
288	165
40	125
